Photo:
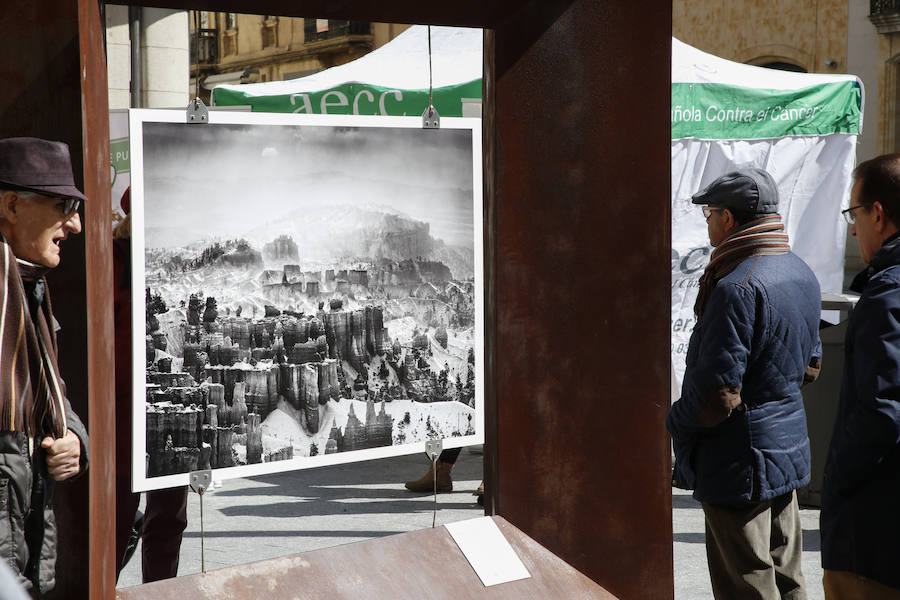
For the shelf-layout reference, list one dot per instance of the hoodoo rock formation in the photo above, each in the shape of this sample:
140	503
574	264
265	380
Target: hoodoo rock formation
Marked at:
375	432
246	366
309	391
220	386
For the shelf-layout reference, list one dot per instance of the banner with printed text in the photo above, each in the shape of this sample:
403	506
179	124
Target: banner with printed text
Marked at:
355	99
720	111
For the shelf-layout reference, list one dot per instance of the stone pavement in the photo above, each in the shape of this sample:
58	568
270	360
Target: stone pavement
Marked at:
269	516
265	517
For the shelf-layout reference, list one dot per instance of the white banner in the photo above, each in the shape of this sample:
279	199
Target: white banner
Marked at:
813	175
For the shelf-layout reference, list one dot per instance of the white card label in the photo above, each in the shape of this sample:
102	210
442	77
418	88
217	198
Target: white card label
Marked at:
484	546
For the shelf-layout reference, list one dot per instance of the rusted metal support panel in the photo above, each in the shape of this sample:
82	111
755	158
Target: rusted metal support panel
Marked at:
53	69
577	151
415	565
582	286
99	274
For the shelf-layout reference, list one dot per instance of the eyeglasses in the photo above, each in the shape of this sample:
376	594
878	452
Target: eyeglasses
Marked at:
71	206
709	210
848	214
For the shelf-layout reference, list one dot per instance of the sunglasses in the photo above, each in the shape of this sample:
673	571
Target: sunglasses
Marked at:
71	206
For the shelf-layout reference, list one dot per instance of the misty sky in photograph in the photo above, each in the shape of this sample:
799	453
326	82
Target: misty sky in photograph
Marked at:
226	180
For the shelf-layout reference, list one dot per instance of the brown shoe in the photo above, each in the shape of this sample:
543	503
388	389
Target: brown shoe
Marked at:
426	483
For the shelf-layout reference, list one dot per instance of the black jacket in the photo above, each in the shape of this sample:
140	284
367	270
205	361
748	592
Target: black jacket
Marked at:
860	520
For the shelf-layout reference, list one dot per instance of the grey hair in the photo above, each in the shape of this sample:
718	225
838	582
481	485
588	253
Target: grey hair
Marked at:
26	196
20	193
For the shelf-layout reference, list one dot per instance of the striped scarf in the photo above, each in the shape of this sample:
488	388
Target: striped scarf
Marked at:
763	236
31	389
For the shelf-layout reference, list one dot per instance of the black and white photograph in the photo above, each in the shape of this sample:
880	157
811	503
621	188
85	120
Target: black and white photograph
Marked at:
313	291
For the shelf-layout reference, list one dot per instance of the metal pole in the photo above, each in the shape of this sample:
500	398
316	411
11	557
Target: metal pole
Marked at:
137	74
202	537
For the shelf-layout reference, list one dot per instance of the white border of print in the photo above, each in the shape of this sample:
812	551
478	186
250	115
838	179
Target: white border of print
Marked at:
137	117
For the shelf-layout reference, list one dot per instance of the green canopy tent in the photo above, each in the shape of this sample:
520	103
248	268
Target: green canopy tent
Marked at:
392	80
800	127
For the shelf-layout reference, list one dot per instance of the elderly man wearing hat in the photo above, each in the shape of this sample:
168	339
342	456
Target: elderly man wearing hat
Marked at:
41	439
739	427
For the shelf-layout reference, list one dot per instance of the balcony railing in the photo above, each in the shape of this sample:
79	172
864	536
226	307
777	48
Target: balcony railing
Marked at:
335	29
205	47
883	7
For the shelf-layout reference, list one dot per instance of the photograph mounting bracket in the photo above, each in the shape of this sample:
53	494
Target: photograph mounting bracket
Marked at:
197	113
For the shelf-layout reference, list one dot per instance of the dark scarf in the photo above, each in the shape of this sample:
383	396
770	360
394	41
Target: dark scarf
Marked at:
763	236
31	389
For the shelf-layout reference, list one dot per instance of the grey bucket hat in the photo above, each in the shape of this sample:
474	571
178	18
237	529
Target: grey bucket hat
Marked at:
745	190
36	165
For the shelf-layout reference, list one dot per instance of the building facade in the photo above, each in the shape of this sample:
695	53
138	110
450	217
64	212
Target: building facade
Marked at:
182	54
238	48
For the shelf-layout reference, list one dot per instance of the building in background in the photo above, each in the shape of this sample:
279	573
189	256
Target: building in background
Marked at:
176	49
237	48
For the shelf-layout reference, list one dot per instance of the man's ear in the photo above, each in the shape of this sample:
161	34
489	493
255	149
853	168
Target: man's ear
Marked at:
9	206
880	221
882	224
729	221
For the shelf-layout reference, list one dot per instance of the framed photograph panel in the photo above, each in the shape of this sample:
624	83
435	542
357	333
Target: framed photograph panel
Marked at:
312	291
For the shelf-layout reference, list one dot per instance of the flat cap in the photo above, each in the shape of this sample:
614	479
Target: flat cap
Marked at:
750	191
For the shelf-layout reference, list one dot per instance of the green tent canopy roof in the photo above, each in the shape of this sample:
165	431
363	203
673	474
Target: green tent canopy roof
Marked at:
391	80
714	98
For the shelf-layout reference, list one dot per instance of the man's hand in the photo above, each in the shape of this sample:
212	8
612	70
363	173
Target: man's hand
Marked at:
812	371
63	455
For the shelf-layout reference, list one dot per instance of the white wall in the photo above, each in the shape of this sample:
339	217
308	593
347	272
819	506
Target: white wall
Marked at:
165	39
863	61
165	51
118	60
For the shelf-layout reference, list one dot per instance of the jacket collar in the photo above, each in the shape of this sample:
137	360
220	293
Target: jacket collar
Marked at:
888	255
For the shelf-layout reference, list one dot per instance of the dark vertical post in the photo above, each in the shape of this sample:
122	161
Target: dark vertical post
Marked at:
581	178
577	199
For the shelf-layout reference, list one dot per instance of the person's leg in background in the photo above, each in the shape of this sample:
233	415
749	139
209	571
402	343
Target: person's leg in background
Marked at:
164	521
844	585
441	468
126	509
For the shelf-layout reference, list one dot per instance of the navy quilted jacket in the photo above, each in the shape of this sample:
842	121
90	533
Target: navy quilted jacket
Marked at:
860	519
758	333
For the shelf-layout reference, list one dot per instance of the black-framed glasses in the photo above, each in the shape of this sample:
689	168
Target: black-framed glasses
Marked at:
848	214
709	210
